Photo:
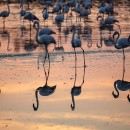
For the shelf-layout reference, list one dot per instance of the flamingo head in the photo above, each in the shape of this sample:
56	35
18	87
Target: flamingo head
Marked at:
116	33
34	108
128	97
44	9
72	107
73	27
99	17
116	21
114	95
35	22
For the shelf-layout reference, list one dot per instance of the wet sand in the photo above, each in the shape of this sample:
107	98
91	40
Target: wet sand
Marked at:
22	72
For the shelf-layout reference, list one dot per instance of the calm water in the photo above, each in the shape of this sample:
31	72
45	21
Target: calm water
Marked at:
22	72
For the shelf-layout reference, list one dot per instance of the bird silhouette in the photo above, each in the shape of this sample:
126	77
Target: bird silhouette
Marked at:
76	90
22	14
120	43
59	19
5	14
45	30
45	40
45	15
45	90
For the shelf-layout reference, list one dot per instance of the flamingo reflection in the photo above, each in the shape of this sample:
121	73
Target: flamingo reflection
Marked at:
44	90
121	85
5	14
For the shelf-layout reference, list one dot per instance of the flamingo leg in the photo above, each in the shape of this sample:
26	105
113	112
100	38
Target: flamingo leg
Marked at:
3	23
38	63
75	67
30	31
84	67
123	64
84	57
45	58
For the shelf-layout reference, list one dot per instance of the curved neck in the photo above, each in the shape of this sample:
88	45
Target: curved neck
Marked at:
37	32
73	102
8	7
37	102
116	39
115	86
73	36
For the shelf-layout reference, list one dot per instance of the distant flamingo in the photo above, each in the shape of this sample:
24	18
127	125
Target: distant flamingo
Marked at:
45	15
44	40
5	14
22	13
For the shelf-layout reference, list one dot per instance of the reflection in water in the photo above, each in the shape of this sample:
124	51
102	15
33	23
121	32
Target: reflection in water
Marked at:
59	46
122	86
5	14
88	35
45	90
108	23
6	35
108	41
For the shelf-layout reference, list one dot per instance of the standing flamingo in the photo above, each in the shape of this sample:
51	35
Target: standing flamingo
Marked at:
76	90
121	84
45	40
45	15
5	14
121	43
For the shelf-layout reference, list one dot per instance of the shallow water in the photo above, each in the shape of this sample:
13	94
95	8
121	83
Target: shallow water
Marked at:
22	72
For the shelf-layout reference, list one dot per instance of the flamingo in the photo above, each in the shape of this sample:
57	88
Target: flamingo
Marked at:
121	84
31	18
76	90
76	43
85	12
121	43
22	12
59	19
45	40
5	14
45	15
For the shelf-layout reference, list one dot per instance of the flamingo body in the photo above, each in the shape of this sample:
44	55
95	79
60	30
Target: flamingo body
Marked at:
46	90
47	31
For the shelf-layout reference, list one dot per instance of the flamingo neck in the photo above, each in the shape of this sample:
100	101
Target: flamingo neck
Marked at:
115	86
116	40
37	102
37	33
73	36
73	102
8	8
